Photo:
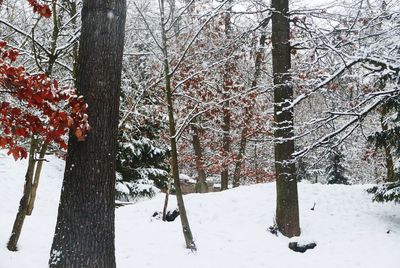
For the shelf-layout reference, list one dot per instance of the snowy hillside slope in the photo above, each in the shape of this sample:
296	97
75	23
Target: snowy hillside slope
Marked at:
230	228
36	237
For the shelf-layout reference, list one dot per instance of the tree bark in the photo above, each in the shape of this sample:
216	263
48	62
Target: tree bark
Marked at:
226	113
187	233
240	158
164	213
226	145
287	209
201	184
38	171
84	234
23	204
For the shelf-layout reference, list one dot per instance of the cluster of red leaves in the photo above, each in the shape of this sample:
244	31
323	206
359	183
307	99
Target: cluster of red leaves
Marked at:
37	106
41	9
253	176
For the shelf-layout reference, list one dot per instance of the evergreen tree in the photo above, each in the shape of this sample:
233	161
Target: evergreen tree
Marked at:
386	192
142	166
388	137
335	169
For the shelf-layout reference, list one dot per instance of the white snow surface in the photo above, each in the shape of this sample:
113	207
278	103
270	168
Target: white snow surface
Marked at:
230	228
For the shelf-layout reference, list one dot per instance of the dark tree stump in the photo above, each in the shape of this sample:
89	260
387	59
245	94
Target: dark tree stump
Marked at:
295	246
171	216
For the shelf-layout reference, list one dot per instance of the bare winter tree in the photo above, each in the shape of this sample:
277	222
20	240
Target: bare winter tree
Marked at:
354	57
172	130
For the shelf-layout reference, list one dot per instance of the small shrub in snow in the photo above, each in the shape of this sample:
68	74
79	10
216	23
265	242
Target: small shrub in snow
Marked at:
386	192
336	170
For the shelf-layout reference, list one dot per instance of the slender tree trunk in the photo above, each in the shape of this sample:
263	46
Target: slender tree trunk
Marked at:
84	234
54	37
73	11
201	184
38	171
390	177
187	233
23	204
226	113
164	214
287	209
175	171
226	145
240	158
52	59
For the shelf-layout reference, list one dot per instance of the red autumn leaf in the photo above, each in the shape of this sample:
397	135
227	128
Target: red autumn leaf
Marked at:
15	153
3	142
24	154
55	84
63	115
2	44
70	121
43	10
78	133
12	55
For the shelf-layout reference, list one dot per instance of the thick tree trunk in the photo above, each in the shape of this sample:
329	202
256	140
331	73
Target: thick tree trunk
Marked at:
287	209
35	184
201	184
23	204
187	233
84	234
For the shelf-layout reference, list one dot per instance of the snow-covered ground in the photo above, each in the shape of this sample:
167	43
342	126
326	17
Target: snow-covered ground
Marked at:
230	228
